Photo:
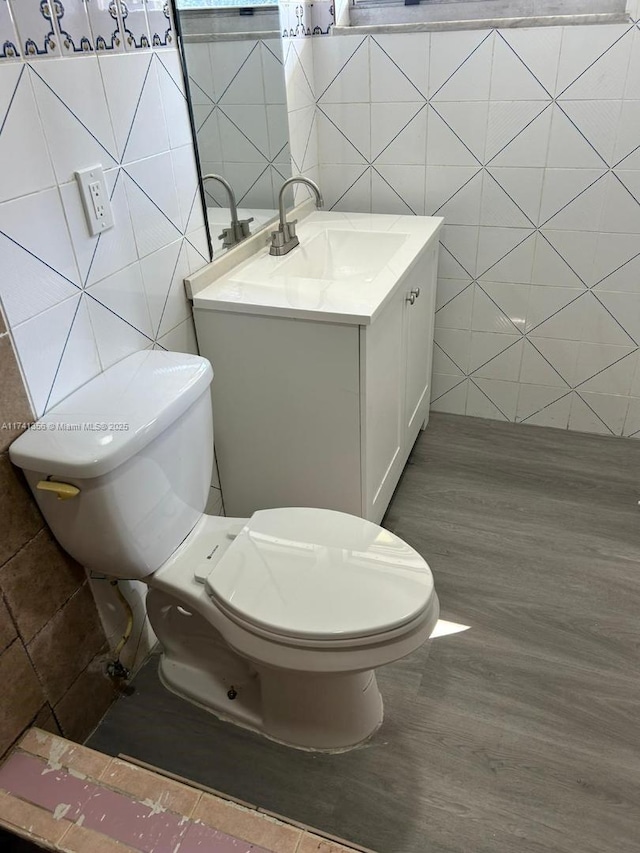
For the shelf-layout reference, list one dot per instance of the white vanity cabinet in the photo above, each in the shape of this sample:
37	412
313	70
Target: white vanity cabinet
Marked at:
315	408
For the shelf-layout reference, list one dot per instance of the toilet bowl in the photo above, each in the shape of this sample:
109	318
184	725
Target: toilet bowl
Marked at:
277	622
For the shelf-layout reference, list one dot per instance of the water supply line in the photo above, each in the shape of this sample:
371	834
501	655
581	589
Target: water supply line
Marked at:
115	668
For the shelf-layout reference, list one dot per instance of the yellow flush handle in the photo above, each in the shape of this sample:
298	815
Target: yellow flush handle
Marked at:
64	491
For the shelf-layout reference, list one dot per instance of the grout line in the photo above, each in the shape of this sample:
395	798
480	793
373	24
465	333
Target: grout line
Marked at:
402	129
44	263
597	59
614	318
71	112
602	370
459	138
500	35
479	171
230	83
345	137
422	96
484	393
543	356
580	397
465	60
135	112
338	73
532	223
562	258
519	133
156	334
62	354
590	144
22	72
517	329
512	249
453	387
391	187
614	271
565	393
475	370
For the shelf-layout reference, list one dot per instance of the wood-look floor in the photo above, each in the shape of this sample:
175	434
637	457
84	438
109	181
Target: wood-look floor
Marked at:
520	734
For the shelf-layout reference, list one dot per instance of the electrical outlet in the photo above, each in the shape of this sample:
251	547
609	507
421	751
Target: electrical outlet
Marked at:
95	199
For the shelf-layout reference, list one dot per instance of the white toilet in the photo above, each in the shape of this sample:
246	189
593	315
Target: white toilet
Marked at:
276	623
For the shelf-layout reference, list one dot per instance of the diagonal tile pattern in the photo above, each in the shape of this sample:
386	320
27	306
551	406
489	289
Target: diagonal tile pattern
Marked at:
76	303
241	117
527	141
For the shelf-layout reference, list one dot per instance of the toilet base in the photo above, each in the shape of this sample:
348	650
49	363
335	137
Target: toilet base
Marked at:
313	711
330	713
304	713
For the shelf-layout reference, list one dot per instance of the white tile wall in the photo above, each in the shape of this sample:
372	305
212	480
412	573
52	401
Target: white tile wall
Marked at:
59	278
300	65
527	141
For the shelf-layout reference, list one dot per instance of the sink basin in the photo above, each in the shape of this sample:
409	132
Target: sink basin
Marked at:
334	255
345	270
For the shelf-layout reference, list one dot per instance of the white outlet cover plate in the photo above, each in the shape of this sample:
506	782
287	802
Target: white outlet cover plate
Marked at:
96	201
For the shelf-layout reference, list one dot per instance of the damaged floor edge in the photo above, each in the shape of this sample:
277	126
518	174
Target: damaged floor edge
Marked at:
66	797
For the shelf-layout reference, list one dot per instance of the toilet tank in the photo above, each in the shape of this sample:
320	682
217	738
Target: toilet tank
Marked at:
137	441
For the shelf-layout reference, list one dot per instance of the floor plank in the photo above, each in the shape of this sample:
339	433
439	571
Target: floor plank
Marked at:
519	734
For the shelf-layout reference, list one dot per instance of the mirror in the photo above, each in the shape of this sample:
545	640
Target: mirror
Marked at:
233	58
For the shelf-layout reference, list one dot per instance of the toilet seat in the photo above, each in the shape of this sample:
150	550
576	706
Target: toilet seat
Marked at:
312	577
185	578
301	645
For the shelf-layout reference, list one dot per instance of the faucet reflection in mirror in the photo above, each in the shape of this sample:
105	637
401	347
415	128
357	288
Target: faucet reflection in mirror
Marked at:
235	75
239	229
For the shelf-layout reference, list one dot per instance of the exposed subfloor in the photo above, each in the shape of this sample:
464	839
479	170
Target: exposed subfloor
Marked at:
519	734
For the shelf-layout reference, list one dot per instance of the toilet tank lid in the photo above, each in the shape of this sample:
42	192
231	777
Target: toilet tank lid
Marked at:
113	416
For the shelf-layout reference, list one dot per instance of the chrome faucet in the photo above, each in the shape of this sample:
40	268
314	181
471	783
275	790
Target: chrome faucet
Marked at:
239	229
284	239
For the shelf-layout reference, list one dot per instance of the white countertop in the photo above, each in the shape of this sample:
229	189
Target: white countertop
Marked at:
260	284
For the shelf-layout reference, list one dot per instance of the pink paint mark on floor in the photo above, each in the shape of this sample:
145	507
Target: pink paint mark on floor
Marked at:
33	780
132	822
115	815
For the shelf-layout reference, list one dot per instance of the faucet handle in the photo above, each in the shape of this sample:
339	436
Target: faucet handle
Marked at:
284	239
228	238
243	228
277	237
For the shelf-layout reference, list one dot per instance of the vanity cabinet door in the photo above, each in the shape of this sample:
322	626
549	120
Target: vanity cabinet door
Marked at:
396	354
383	363
286	411
419	314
